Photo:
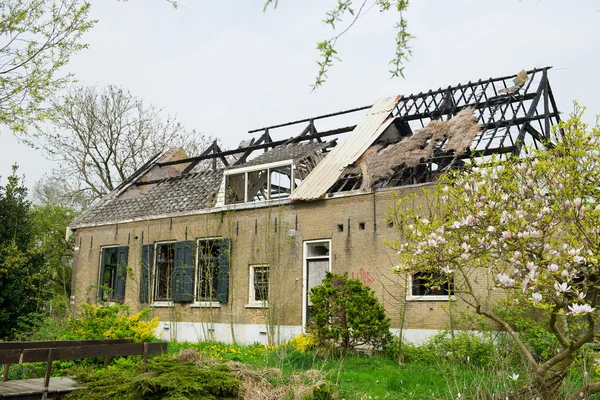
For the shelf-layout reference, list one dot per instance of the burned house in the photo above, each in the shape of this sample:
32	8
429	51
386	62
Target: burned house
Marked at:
228	244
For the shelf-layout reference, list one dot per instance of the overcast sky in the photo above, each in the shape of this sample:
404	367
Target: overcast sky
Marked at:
225	67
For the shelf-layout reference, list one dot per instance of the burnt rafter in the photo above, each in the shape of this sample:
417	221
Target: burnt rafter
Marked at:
511	115
332	132
515	112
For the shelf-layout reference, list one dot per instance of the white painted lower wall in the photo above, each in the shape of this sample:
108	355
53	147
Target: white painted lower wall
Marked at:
252	333
244	333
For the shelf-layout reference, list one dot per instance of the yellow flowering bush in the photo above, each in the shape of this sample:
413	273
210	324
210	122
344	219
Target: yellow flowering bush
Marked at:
303	342
111	322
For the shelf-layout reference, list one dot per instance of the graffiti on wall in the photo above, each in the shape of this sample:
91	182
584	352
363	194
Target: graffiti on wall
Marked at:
364	276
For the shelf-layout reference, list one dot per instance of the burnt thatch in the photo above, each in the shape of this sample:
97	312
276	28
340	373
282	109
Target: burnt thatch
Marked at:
451	137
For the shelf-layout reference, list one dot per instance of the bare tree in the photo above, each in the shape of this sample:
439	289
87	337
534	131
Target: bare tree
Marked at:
102	136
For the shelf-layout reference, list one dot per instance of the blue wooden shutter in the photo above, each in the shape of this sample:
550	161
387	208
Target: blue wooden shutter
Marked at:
119	289
183	272
224	259
146	272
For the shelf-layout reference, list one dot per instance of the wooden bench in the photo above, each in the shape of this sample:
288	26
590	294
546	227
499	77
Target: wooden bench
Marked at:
22	352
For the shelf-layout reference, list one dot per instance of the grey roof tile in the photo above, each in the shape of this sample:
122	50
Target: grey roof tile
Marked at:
182	193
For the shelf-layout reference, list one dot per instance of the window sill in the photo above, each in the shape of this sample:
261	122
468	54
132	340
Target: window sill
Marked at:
206	304
162	304
430	298
257	305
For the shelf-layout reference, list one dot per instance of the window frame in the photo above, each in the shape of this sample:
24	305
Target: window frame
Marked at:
169	301
101	293
198	302
429	297
252	302
305	260
113	298
268	167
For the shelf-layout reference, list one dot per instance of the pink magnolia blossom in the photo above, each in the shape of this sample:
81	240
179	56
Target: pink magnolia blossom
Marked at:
552	268
580	309
446	270
536	297
562	287
505	280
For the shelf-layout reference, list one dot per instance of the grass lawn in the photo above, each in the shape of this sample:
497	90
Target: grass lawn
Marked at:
370	377
355	376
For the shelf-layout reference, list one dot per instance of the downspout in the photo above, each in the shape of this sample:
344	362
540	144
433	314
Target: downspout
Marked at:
374	212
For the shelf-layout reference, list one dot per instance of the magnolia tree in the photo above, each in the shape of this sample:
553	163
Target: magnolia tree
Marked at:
525	230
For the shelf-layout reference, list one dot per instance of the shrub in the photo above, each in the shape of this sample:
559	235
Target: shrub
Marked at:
302	342
346	314
462	348
532	325
166	378
110	322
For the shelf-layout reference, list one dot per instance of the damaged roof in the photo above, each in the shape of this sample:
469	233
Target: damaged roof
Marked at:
402	140
290	151
177	194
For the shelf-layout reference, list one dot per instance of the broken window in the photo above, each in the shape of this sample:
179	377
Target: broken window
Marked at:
113	273
280	179
165	253
258	293
235	191
213	270
429	286
260	184
318	262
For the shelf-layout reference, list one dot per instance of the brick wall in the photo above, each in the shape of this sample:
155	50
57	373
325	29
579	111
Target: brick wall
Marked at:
274	236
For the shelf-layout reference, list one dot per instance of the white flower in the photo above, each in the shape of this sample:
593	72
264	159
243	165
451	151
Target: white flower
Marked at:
466	247
552	268
398	268
547	248
456	225
506	235
514	377
581	295
579	309
469	220
536	297
491	229
505	280
562	288
447	270
578	259
425	221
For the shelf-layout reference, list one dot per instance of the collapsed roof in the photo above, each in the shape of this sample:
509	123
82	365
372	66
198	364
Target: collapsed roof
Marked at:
402	140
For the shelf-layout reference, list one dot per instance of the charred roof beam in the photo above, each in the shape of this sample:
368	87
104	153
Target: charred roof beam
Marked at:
209	156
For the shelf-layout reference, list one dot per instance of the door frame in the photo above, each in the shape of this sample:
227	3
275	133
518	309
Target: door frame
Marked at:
305	260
